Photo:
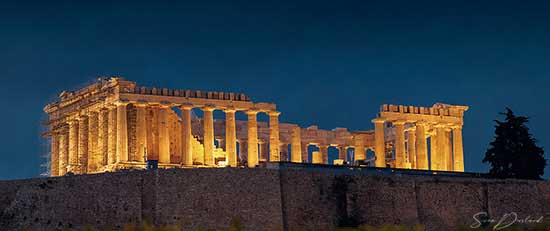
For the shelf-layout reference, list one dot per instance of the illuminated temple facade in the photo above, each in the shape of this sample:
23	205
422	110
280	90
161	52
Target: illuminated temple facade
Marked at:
114	124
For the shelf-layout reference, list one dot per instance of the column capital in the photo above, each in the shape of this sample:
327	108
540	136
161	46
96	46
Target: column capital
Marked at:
273	113
72	121
252	111
101	109
110	106
456	126
121	103
186	106
140	104
446	127
399	122
91	112
81	117
440	125
209	108
230	110
162	105
410	129
378	121
421	123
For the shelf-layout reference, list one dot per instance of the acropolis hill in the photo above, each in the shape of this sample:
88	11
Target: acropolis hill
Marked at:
115	124
105	137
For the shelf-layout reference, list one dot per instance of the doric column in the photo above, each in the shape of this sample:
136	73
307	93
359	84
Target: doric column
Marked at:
283	148
187	136
252	138
295	145
82	144
274	151
208	135
434	165
73	147
112	135
458	152
448	150
421	146
379	144
94	156
230	137
63	151
102	136
400	144
54	158
152	132
122	133
342	153
316	157
439	151
305	153
141	131
323	148
360	151
164	137
411	147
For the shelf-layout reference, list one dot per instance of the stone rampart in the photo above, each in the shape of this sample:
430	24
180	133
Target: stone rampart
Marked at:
283	197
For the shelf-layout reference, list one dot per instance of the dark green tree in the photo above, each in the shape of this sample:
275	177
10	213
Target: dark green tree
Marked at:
514	152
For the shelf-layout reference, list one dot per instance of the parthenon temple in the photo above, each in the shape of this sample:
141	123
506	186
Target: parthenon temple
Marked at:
114	124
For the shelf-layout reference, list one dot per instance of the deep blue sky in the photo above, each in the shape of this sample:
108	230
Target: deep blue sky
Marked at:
329	63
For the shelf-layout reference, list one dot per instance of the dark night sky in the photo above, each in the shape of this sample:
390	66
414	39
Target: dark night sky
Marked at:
329	63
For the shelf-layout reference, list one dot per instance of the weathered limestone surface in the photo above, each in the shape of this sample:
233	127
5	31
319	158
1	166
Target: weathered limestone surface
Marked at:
114	124
319	200
439	123
71	202
192	198
263	199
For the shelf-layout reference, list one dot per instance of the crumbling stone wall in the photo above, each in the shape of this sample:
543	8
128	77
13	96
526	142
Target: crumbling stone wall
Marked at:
263	199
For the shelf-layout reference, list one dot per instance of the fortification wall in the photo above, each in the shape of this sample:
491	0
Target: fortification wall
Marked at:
314	200
264	199
192	198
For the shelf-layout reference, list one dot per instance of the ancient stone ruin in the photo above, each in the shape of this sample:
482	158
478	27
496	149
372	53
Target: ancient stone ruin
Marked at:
115	124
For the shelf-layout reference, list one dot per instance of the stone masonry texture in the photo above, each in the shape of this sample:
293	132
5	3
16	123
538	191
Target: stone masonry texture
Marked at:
305	198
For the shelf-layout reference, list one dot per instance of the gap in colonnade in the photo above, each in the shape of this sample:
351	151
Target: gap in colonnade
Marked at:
263	117
429	147
370	155
177	110
197	113
351	154
197	126
288	157
219	114
310	149
332	154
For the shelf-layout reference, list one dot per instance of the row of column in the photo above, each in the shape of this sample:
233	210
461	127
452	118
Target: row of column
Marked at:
87	142
231	136
321	156
446	150
100	138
